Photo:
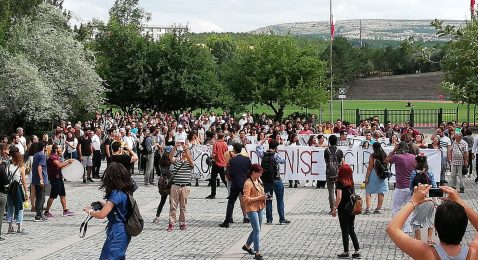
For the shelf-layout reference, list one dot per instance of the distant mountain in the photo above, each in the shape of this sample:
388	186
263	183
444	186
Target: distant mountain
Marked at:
371	29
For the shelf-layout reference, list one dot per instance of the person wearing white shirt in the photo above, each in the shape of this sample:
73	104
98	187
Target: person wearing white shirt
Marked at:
96	144
243	120
22	140
180	135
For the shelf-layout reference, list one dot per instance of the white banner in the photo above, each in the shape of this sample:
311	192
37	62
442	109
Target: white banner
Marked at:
307	163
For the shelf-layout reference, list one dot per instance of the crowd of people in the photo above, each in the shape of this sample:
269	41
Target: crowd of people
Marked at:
161	143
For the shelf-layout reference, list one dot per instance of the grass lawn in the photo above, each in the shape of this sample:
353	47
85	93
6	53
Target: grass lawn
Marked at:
376	105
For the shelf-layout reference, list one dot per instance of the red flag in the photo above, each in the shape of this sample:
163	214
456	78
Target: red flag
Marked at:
472	7
332	26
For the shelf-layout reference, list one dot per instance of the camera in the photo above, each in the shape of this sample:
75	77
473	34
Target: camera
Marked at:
96	206
435	192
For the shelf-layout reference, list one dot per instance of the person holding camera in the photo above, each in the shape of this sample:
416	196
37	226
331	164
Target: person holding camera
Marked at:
423	213
183	165
451	221
255	202
117	183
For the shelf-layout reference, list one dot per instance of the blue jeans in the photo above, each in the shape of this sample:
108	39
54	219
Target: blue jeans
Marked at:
278	187
256	220
15	209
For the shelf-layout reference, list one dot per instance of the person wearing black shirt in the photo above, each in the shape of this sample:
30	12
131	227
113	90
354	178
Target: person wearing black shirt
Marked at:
3	194
85	150
120	157
107	142
344	189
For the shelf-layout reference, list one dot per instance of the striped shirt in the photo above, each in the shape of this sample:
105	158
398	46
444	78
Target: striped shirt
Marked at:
182	173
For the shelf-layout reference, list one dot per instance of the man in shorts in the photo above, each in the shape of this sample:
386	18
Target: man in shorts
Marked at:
85	154
54	165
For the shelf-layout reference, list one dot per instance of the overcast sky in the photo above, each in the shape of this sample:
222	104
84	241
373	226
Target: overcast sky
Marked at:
247	15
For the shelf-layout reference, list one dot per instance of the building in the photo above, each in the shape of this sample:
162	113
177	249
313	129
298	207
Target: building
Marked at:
156	31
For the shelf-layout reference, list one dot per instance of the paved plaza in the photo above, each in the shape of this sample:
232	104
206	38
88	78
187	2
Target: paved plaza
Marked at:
313	234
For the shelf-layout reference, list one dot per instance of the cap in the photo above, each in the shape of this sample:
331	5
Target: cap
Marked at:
180	126
244	115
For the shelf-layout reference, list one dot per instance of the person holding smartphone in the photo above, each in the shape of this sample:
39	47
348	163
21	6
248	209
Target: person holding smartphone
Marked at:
423	213
183	165
451	221
255	202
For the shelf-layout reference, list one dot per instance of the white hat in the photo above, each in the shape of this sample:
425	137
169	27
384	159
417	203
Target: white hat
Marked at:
180	126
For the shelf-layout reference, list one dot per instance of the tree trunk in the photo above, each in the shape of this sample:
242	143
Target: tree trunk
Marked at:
279	113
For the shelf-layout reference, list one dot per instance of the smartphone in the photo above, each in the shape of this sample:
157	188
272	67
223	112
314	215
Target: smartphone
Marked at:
435	192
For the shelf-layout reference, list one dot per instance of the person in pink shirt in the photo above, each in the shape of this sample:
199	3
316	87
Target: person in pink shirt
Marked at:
306	130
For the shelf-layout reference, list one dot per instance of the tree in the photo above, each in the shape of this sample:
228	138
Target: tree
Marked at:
460	64
344	67
49	74
274	71
128	12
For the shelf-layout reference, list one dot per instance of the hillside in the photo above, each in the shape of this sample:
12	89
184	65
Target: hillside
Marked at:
371	29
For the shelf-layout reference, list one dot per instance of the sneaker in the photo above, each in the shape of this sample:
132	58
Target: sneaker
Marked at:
170	228
40	218
268	223
210	197
183	227
343	255
285	222
68	213
258	257
356	255
48	214
368	212
377	211
11	230
462	190
246	220
248	250
156	221
90	180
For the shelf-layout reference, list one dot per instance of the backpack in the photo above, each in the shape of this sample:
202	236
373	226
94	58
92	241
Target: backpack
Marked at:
332	170
421	178
271	169
134	221
354	206
144	150
383	172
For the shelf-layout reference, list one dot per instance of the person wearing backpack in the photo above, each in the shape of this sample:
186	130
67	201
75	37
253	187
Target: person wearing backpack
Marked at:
376	178
423	213
165	174
270	161
345	189
116	182
16	194
334	157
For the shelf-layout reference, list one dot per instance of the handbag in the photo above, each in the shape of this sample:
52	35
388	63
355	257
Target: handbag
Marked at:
354	206
164	183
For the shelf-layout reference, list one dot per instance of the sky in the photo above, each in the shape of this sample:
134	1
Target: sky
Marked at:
247	15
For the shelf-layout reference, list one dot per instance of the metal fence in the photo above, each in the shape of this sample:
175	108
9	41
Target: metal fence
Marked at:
416	117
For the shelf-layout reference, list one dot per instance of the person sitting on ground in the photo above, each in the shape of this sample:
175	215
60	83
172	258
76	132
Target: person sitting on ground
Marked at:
451	220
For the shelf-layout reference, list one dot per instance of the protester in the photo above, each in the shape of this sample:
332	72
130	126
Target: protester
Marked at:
218	164
96	146
164	171
271	179
180	157
54	166
423	213
404	159
451	221
458	158
149	155
237	170
85	154
116	182
17	191
334	157
120	156
375	184
345	188
3	194
39	180
445	146
71	145
254	201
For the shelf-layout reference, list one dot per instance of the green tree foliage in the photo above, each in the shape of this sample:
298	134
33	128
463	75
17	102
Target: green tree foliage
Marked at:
45	73
343	60
274	71
128	12
460	63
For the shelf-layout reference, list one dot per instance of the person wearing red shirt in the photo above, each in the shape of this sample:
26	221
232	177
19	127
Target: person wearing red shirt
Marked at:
218	150
306	130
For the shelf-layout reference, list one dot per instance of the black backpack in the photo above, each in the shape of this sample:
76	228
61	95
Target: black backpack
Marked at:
383	172
421	178
134	221
332	170
144	150
270	166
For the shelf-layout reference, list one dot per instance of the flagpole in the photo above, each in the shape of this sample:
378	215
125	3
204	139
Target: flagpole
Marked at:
330	61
